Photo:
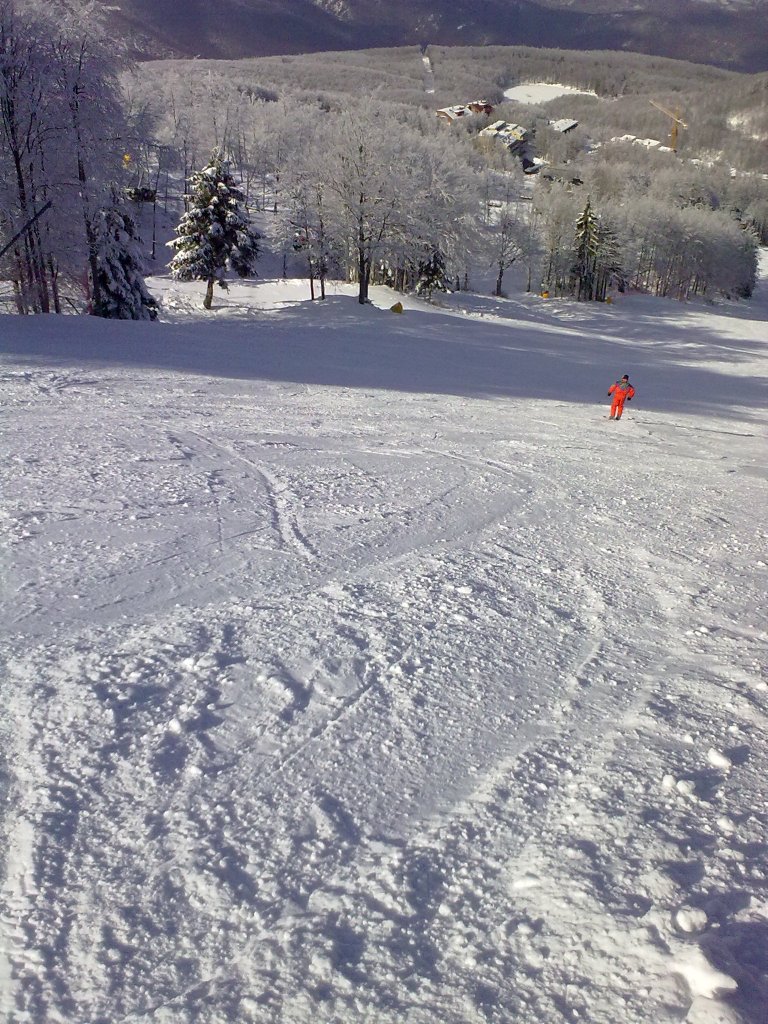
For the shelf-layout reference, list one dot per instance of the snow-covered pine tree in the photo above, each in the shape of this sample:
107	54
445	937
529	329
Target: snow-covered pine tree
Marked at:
432	274
215	233
598	257
587	245
609	264
122	293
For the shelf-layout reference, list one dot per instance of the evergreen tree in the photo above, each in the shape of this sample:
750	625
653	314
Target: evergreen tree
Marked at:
597	257
215	233
432	274
587	246
609	262
122	293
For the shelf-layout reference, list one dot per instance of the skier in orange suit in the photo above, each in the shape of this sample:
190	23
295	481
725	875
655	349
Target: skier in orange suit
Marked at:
622	392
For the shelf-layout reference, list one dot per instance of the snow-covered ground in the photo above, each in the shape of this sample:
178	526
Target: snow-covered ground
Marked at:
357	668
540	92
428	74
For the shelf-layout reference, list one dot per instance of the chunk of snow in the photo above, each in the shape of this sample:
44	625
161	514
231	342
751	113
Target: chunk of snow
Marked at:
717	759
690	919
711	1011
702	978
726	824
526	882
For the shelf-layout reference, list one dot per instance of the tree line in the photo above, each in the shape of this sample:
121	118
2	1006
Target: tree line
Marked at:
367	190
63	131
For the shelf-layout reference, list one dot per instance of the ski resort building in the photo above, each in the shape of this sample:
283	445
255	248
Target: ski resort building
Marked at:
513	136
564	125
459	110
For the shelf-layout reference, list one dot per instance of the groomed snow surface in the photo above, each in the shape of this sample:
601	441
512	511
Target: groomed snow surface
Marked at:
539	92
357	668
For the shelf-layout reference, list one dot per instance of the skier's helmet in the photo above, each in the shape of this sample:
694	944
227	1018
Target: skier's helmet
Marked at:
625	377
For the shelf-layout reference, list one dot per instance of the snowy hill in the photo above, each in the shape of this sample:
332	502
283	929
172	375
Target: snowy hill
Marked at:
718	32
358	669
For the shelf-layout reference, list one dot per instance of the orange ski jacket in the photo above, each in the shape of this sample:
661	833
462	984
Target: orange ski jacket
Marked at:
623	390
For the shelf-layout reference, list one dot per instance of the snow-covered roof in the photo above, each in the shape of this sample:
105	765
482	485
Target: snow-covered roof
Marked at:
648	143
453	112
464	109
564	124
504	131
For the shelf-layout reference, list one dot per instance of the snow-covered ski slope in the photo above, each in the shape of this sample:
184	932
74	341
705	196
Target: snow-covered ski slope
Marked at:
358	669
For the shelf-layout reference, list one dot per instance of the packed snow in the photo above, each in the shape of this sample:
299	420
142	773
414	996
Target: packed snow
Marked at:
357	668
541	92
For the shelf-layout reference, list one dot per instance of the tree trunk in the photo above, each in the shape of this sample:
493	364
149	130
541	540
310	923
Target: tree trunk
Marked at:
26	276
363	259
323	263
45	303
364	278
499	280
208	300
54	275
34	258
90	232
18	298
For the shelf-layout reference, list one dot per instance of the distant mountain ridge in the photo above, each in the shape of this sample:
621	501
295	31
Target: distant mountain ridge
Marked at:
720	32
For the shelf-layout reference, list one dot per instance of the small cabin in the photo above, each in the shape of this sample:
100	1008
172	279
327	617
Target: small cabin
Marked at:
564	125
480	107
459	110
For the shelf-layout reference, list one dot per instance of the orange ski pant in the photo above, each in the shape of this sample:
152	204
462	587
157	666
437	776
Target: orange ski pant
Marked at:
617	406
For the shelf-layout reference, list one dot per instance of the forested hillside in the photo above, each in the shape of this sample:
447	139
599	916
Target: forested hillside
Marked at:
279	118
726	113
715	32
375	189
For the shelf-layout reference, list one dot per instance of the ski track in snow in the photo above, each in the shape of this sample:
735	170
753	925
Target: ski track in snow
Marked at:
324	704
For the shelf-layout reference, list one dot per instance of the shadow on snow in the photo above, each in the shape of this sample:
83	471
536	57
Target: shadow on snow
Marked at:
566	352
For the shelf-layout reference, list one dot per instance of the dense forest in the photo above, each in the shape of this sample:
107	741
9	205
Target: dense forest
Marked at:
723	33
726	113
375	189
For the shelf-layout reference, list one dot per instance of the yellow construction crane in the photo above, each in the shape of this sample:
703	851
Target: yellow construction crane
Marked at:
677	123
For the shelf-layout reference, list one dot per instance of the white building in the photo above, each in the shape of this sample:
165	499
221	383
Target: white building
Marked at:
565	124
